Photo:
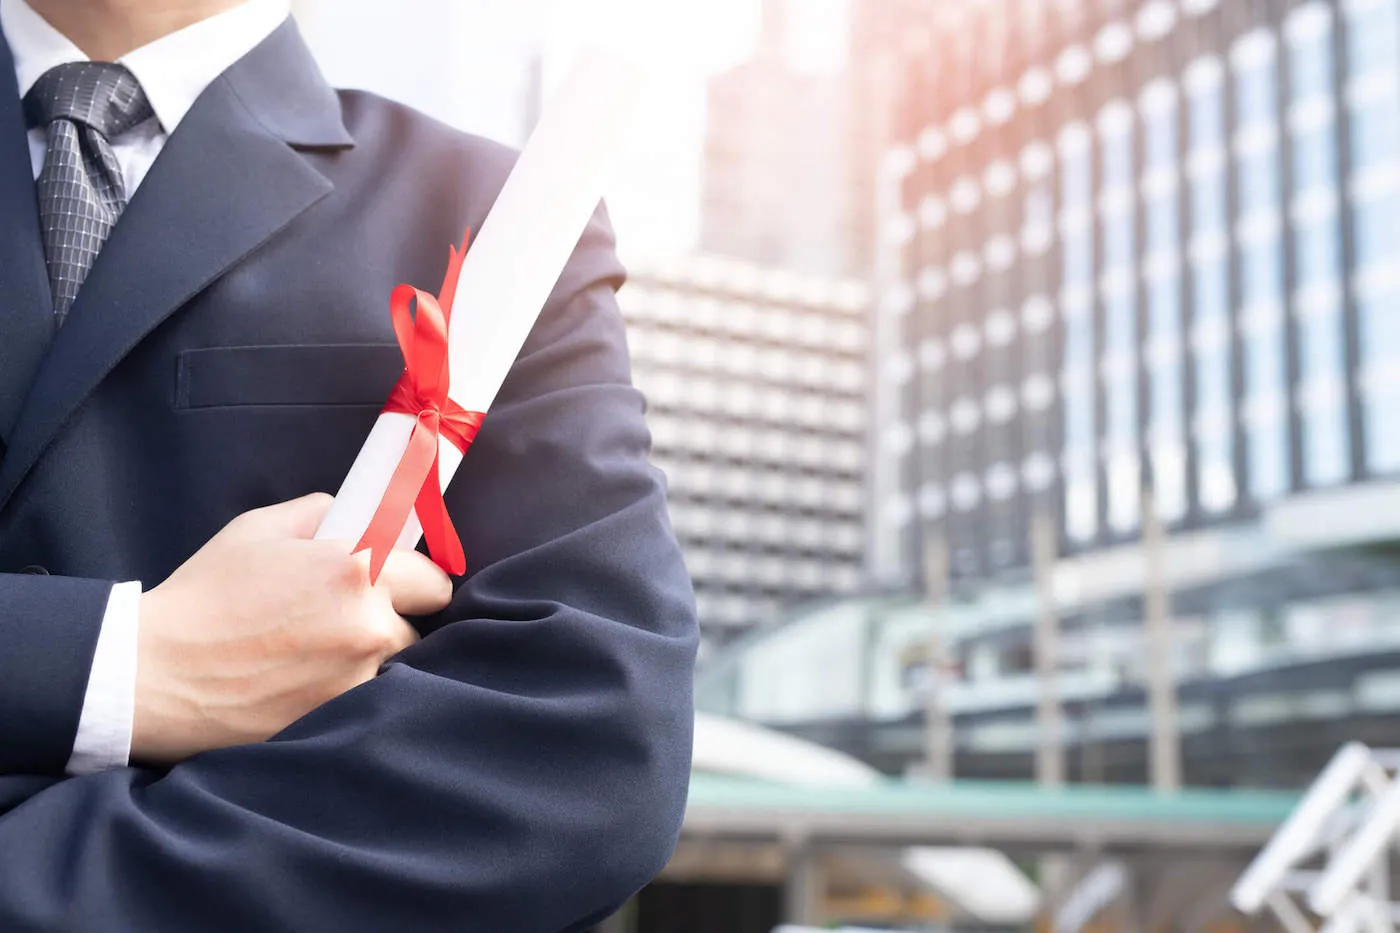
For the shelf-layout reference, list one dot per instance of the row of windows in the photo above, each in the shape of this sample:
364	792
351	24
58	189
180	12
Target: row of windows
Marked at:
813	580
767	529
966	415
720	606
1072	66
1255	140
672	435
733	611
1307	27
665	348
767	488
740	400
738	278
999	329
1263	339
1036	474
782	325
1001	482
773	572
1212	432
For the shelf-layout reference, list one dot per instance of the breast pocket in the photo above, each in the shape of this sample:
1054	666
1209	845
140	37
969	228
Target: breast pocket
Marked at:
348	375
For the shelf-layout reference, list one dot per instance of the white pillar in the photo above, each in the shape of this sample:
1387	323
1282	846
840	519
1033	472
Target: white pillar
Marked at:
1161	670
805	891
1049	719
938	723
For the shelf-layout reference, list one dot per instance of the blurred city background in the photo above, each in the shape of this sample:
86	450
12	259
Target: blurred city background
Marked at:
1027	375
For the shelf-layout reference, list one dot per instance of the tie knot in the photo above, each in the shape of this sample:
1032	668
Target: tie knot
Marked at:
105	97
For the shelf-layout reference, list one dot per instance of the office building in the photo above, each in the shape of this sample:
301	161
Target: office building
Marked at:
1143	240
1136	246
757	385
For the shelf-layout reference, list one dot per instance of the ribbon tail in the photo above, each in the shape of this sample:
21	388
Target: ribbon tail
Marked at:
443	542
404	488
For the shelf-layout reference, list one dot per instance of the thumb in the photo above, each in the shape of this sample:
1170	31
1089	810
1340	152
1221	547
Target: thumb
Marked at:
297	518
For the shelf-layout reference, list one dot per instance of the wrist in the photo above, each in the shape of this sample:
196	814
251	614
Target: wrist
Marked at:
152	722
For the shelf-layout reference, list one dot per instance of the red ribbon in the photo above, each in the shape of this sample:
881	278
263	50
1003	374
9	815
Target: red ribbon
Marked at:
422	392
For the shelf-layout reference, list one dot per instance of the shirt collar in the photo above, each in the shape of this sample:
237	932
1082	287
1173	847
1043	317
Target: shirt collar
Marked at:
173	70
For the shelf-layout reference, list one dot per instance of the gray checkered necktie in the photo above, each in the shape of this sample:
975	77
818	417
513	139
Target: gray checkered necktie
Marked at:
83	105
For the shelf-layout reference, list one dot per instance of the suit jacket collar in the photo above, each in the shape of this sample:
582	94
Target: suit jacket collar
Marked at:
228	180
283	90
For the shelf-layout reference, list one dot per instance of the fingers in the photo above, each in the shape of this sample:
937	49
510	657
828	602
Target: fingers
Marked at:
298	518
416	586
402	635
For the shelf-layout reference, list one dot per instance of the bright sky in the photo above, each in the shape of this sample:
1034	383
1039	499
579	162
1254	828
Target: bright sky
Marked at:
461	60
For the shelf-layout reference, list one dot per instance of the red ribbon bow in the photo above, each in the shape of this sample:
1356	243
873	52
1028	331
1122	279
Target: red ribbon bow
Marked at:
422	392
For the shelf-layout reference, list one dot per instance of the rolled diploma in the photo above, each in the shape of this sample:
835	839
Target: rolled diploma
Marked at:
514	262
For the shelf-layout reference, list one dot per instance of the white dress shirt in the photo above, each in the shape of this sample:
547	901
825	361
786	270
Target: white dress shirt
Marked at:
173	71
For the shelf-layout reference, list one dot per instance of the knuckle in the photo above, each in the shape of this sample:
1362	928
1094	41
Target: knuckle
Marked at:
242	523
371	640
348	572
359	642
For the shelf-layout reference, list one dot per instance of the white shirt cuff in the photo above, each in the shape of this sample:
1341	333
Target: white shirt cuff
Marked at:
109	706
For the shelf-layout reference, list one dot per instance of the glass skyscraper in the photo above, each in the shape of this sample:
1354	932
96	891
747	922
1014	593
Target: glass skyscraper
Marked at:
1143	244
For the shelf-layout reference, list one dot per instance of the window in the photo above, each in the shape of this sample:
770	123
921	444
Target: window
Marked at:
1262	276
1210	338
1119	366
1373	96
1167	379
1211	345
1254	54
1080	350
1038	218
1321	328
1165	340
1266	406
1159	127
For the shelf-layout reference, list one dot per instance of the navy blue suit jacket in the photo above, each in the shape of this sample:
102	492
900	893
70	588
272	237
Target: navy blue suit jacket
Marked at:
524	767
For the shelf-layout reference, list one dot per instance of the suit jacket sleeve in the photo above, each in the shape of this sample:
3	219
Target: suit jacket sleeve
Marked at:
43	679
522	769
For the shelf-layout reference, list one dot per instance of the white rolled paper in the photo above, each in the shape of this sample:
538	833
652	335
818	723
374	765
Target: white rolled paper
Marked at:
513	264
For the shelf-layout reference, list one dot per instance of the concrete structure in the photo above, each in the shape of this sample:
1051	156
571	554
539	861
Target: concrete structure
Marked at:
757	384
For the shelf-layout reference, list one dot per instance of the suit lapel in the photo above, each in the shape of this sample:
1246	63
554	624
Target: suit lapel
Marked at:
226	182
26	304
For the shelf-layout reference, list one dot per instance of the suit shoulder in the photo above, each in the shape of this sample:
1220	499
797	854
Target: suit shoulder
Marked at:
443	177
381	125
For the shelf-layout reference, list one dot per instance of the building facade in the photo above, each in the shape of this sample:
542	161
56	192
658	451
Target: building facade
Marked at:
1141	243
757	385
1134	246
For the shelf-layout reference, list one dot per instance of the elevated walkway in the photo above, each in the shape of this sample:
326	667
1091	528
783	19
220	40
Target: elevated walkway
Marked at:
1021	818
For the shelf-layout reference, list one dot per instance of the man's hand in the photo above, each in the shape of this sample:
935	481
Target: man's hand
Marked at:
263	625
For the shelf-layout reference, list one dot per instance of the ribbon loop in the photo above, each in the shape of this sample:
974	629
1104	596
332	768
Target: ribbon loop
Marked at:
422	392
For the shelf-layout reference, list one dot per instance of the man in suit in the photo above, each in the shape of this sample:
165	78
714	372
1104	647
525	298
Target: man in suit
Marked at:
209	721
